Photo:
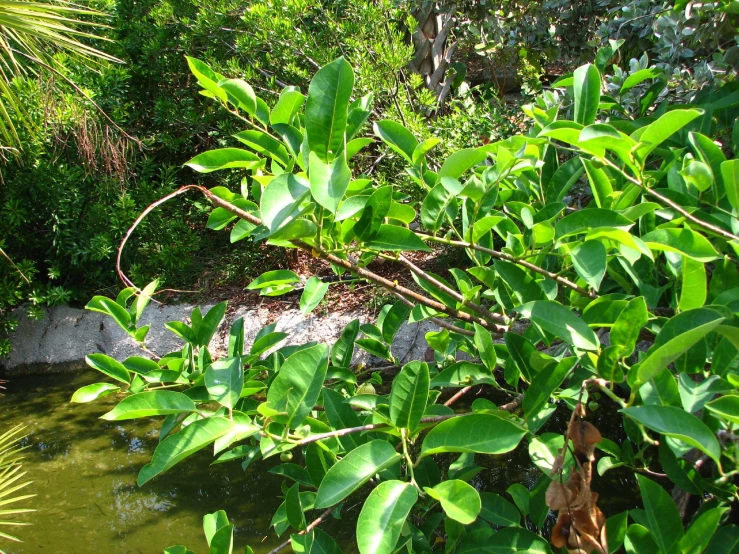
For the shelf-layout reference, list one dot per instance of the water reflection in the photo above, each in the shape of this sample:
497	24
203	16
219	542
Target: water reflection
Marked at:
84	472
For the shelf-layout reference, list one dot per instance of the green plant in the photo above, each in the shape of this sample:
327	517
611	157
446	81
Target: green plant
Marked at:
602	278
11	475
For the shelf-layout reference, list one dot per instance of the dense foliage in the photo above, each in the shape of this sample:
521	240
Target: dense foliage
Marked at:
600	277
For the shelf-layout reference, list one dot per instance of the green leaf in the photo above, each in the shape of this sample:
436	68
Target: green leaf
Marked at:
694	289
477	433
589	260
298	384
314	291
326	109
290	101
224	380
561	322
383	516
397	137
329	181
724	541
639	77
179	446
273	279
629	323
485	347
293	508
240	91
343	351
543	386
460	161
109	366
700	532
616	531
438	203
409	395
284	199
657	132
730	177
676	337
224	158
374	347
340	415
183	331
639	540
459	500
515	539
265	144
315	542
149	404
583	221
422	149
392	237
587	93
354	470
92	392
212	523
726	407
113	309
677	423
374	213
497	510
694	396
393	320
462	374
265	342
600	183
662	515
209	325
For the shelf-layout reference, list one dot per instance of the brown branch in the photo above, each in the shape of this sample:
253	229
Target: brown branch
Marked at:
508	258
354	268
495	318
313	524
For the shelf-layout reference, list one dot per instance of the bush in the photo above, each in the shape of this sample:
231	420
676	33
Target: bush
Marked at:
602	279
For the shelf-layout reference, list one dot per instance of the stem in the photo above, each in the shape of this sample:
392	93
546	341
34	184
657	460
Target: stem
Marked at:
316	522
408	460
508	258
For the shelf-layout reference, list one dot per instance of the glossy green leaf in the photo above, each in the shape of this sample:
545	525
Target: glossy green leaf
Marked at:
209	325
88	393
326	109
485	347
374	213
675	338
629	323
315	542
589	260
354	470
497	510
394	238
544	384
383	515
701	530
694	395
329	181
298	385
314	291
224	158
677	423
730	177
583	221
340	415
225	380
242	93
479	433
512	540
463	374
109	366
150	404
726	407
459	500
343	351
264	144
409	395
273	278
587	93
290	101
663	128
179	446
662	515
397	137
283	200
561	322
460	161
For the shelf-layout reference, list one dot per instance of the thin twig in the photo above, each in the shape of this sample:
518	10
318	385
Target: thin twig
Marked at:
316	522
508	258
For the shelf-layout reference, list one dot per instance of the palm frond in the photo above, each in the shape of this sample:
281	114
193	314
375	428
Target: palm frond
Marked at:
11	476
38	31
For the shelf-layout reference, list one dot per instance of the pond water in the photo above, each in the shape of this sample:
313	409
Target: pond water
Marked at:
84	473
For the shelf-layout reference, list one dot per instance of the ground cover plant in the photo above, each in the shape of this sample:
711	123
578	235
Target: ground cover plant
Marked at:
601	276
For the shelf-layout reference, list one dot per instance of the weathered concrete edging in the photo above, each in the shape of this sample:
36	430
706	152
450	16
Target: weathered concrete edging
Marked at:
60	341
